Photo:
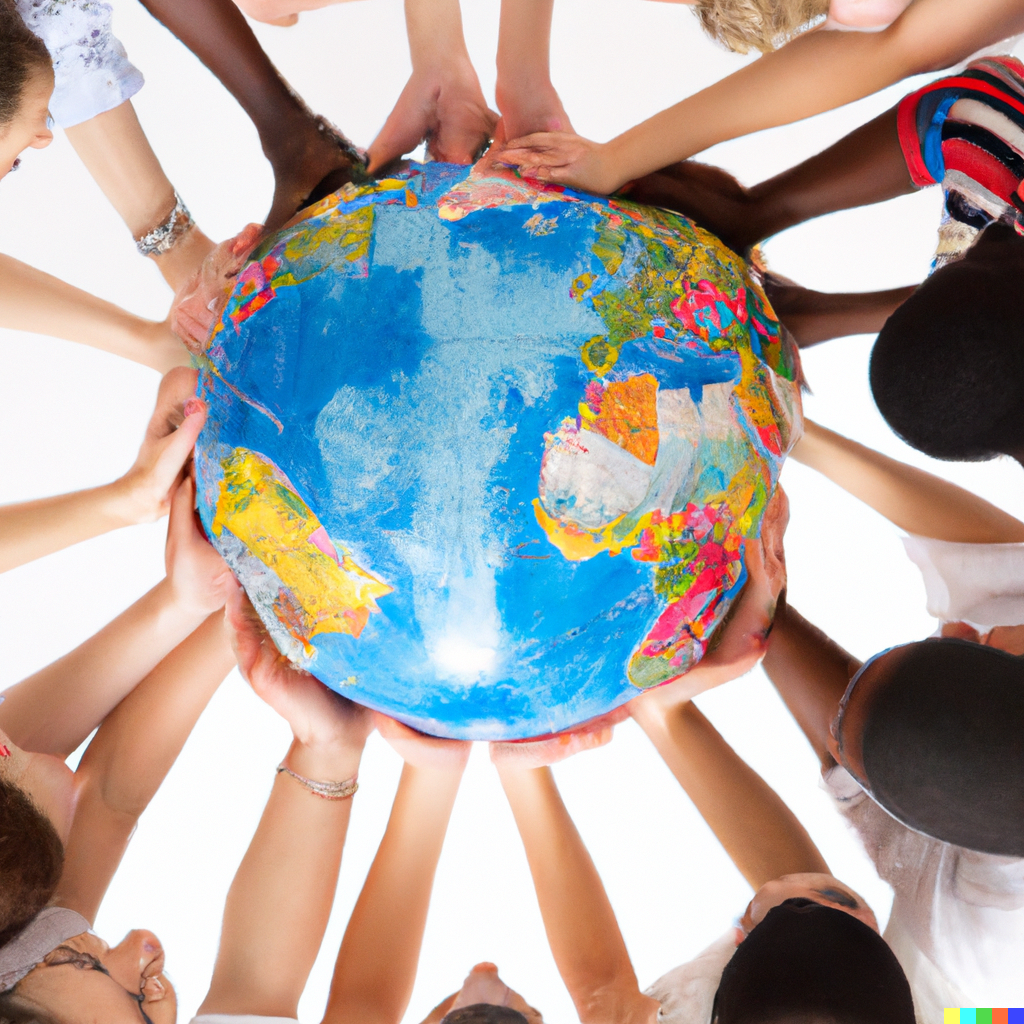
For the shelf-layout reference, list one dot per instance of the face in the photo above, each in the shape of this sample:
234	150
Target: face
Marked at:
823	889
1004	638
866	14
85	981
30	127
484	985
45	778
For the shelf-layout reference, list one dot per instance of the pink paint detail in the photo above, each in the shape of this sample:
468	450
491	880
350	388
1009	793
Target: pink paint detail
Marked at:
319	539
192	406
4	752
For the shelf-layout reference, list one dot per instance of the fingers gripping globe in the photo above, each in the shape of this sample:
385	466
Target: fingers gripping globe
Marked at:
484	452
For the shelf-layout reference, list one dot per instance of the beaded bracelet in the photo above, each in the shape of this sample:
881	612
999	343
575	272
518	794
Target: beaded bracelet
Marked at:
166	235
324	790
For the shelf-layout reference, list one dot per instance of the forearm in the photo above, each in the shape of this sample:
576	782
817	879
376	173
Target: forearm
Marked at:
31	300
760	833
280	900
578	918
818	71
33	529
376	966
910	498
130	756
55	709
435	32
524	42
813	317
811	673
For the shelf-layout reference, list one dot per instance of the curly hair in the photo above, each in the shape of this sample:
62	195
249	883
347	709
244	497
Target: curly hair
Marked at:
31	860
745	25
21	53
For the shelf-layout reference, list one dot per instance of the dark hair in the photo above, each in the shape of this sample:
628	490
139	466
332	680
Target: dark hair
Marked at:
943	742
484	1013
21	53
947	370
809	962
31	860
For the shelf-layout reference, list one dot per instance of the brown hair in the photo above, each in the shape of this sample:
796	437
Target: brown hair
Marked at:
21	53
744	25
31	860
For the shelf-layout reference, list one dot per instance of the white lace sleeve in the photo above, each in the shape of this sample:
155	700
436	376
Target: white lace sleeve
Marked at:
90	66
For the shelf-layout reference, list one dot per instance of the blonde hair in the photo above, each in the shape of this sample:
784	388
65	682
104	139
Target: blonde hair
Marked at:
744	25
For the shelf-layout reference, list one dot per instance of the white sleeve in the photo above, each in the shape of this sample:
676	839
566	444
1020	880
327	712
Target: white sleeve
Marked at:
245	1018
980	584
92	73
687	993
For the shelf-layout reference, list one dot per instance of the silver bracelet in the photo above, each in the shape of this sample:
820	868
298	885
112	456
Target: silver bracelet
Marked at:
166	235
324	790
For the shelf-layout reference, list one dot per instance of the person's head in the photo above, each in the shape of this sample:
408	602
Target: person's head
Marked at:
36	808
484	999
933	731
947	370
744	25
26	84
122	984
812	959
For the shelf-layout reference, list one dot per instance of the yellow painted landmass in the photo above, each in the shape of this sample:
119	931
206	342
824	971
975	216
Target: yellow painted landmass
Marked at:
258	505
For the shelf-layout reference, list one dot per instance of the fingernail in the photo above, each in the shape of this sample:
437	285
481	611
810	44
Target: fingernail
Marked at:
193	405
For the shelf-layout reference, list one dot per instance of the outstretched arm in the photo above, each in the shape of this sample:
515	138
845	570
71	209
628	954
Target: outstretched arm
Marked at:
33	301
32	529
442	102
818	71
308	156
376	966
280	900
811	673
53	711
130	756
118	155
760	833
910	498
578	918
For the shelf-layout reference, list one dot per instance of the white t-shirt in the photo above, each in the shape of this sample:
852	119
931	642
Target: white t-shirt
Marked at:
957	921
92	73
687	993
980	584
245	1018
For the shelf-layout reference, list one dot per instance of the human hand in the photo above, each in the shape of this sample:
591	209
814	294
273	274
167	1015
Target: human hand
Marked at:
564	158
443	105
546	750
420	750
529	107
319	718
199	578
159	347
200	302
144	493
743	640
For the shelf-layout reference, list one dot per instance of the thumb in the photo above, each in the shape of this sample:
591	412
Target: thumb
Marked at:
406	127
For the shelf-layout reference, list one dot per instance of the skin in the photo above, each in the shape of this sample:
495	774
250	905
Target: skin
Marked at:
45	778
29	128
32	529
483	984
817	71
819	887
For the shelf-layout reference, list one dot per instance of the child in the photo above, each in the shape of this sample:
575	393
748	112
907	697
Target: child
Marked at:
816	72
143	681
32	529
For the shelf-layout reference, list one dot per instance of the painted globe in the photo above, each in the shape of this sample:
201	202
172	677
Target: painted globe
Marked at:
484	452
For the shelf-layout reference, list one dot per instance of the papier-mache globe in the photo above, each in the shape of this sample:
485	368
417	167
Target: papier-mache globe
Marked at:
484	452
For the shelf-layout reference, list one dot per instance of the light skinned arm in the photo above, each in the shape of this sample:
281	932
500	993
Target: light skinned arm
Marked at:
442	102
130	756
913	500
31	300
578	918
54	710
818	71
760	833
376	966
280	900
117	154
32	529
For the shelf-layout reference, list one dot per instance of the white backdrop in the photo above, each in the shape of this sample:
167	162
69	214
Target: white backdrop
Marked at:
71	417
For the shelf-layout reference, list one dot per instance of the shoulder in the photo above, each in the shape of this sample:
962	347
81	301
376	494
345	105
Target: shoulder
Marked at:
687	993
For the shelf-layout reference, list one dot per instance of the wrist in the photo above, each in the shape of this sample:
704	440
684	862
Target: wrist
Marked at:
324	760
119	503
